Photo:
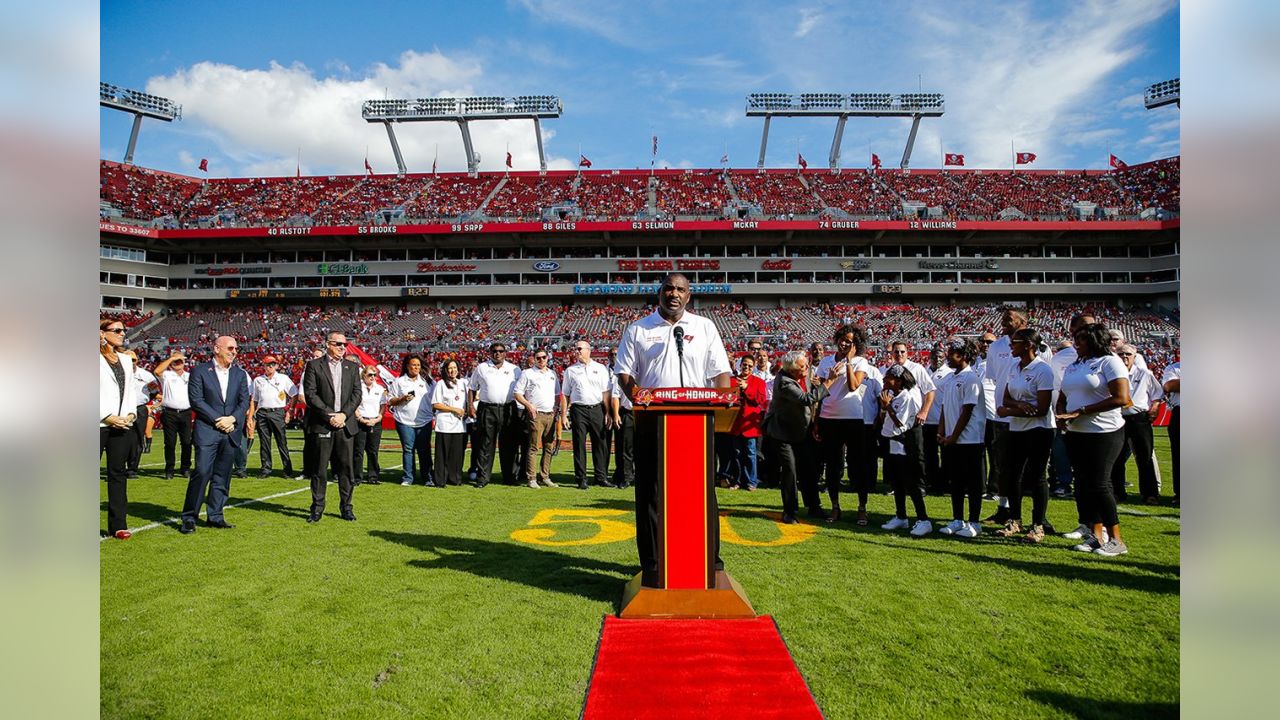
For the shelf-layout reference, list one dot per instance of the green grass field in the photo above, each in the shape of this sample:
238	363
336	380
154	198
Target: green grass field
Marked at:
449	603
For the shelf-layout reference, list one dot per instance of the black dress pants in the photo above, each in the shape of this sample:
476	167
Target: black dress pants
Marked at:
177	428
1175	423
333	452
624	441
139	430
1026	455
587	421
934	480
365	451
1092	457
271	427
963	466
118	445
1139	442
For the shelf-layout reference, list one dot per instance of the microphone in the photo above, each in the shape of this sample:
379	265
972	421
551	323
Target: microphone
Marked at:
679	335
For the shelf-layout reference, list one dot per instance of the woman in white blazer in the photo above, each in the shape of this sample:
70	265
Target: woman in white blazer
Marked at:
117	408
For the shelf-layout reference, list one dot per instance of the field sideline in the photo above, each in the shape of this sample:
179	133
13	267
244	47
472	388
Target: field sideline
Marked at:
465	603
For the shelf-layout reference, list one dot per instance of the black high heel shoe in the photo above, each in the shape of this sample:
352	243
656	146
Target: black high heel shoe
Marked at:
835	514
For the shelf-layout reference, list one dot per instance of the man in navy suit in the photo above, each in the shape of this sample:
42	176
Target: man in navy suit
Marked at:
331	385
219	393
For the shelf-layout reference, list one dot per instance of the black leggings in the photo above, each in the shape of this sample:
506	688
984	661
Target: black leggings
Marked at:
843	444
963	466
1092	457
903	472
1026	455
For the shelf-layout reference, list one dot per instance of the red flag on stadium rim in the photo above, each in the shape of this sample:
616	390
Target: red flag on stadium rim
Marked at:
508	158
953	159
583	162
367	168
1025	158
204	163
875	161
800	159
1117	163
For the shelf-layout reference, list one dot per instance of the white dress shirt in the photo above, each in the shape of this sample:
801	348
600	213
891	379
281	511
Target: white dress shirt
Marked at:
174	388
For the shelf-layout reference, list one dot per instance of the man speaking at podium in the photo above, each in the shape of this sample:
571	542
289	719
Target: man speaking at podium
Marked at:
669	348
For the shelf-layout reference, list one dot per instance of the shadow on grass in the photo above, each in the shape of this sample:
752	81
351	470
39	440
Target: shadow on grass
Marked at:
1087	707
264	505
1088	569
150	511
543	569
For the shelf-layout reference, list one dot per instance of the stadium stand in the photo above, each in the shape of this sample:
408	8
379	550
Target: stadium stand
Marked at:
606	196
691	195
778	195
524	198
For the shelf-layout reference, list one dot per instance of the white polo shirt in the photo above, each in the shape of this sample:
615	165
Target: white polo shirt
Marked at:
273	393
373	398
1143	390
539	387
1022	385
586	383
996	372
960	389
624	402
493	384
936	379
1085	382
647	352
144	378
456	397
417	412
1172	372
905	406
874	383
840	403
174	388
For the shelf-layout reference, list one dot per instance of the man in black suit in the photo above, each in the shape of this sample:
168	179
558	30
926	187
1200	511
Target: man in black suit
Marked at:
332	388
219	394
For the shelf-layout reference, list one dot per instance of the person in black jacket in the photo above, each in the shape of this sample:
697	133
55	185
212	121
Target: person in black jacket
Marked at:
331	385
787	424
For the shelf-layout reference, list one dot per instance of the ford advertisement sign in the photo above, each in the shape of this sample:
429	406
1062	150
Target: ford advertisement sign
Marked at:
546	266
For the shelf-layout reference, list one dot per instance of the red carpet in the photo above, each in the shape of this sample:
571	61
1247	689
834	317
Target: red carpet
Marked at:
673	669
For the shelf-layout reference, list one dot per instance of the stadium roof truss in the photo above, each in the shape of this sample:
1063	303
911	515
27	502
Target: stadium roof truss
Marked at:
841	106
140	105
462	111
1164	93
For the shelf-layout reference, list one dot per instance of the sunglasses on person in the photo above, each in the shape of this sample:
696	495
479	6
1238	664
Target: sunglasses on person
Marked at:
271	364
539	357
497	350
339	344
116	330
1125	354
371	374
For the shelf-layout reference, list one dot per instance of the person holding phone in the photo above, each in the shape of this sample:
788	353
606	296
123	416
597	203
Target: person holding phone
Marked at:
413	419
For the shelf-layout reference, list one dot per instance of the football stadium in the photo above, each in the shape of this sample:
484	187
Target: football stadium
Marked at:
510	593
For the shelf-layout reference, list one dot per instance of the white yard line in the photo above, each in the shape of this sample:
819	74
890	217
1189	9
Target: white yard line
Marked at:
1166	518
178	520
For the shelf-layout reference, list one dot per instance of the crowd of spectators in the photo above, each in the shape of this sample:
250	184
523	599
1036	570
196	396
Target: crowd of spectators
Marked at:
141	194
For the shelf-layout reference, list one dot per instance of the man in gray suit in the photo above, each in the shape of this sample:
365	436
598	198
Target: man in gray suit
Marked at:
795	394
331	386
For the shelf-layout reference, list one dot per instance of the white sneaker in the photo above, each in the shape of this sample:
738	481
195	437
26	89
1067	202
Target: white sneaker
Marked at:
970	530
921	528
405	482
1079	533
896	524
952	527
1089	545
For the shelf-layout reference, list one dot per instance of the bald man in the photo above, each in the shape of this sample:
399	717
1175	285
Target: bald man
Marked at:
219	394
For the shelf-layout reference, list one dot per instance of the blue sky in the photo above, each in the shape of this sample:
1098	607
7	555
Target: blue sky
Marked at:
261	84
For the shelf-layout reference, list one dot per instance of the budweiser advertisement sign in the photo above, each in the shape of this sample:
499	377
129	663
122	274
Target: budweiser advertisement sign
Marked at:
686	396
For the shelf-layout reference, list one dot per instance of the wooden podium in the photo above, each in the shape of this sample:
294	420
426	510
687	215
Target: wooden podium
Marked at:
685	421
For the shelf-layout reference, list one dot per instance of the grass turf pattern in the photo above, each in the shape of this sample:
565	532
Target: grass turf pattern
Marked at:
429	606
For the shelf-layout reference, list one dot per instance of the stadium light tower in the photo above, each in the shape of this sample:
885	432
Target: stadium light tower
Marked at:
461	111
140	105
842	106
1164	93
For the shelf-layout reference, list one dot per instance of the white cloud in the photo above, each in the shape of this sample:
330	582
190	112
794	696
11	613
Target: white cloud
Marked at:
598	17
809	19
262	118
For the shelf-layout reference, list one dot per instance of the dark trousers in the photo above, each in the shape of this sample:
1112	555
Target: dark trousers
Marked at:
118	445
450	447
1026	455
963	466
1092	457
333	451
904	474
365	450
996	437
934	480
1174	424
808	470
177	427
310	456
139	431
844	444
1139	442
496	427
1059	463
624	448
587	421
787	472
210	482
726	460
877	448
648	457
271	427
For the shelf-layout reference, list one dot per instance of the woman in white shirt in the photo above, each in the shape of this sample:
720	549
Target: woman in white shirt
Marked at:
117	411
1144	390
1095	388
840	421
449	400
899	402
961	434
411	407
1028	395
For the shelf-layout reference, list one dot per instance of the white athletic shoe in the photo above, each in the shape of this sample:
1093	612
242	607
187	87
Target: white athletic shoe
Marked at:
405	483
896	524
921	528
970	530
952	527
1079	533
1089	545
